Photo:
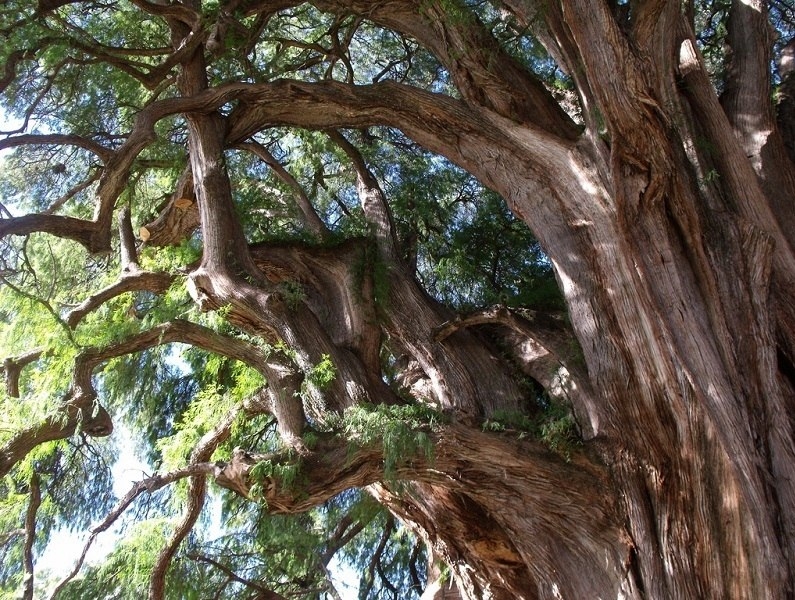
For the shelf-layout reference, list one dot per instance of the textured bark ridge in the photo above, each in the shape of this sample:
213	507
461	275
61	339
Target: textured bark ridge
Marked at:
675	358
506	521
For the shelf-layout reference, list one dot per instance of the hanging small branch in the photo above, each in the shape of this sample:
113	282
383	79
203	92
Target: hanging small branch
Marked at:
30	535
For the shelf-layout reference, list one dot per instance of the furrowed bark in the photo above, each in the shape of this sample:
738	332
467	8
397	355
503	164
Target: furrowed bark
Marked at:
746	101
462	375
479	533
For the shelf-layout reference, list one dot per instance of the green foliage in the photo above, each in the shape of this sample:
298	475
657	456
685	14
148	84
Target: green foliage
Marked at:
292	292
285	474
170	259
403	431
124	574
509	421
322	374
559	431
554	426
200	416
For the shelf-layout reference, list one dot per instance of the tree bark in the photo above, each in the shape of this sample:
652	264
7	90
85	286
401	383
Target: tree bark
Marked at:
668	217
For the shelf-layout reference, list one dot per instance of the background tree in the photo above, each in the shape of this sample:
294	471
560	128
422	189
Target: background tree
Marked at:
296	250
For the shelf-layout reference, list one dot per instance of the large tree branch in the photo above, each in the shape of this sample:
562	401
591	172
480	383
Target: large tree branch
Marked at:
483	72
746	101
86	233
94	421
544	347
54	139
450	127
471	495
333	466
13	367
480	141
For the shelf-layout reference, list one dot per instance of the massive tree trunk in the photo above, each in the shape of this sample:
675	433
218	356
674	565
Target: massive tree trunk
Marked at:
677	265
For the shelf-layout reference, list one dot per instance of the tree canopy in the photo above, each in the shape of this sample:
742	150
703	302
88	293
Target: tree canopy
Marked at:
493	297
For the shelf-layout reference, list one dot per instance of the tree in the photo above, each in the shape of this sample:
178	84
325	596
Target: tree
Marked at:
326	275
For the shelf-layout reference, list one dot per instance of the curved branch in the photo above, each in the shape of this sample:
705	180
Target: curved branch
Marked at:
171	11
144	281
375	559
93	420
310	217
13	367
81	231
148	485
492	483
79	409
30	535
483	72
197	488
10	67
440	123
103	153
347	528
131	279
546	329
482	142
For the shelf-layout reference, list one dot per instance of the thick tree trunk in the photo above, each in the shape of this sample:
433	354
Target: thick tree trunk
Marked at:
668	291
676	291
